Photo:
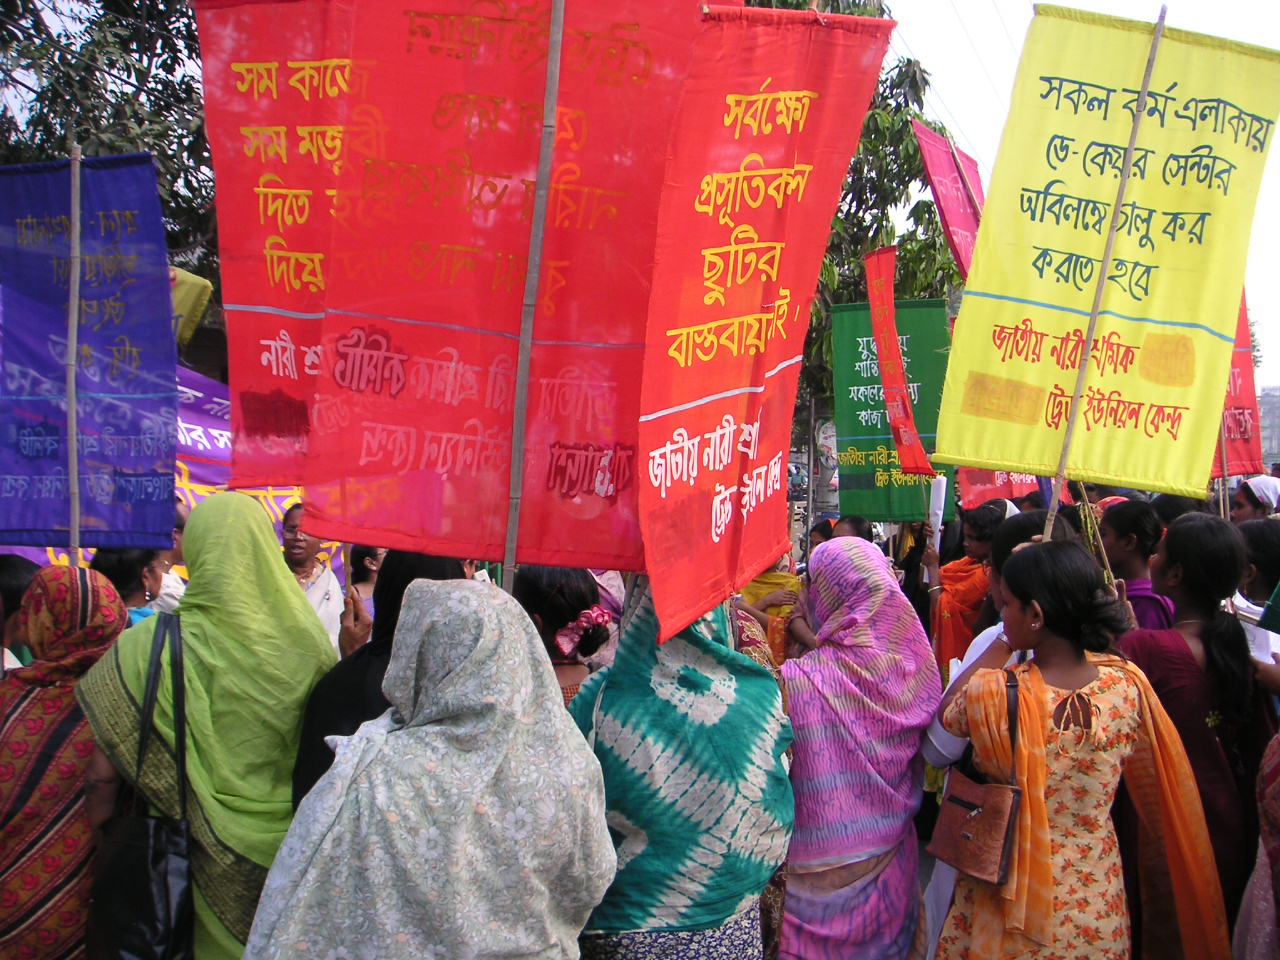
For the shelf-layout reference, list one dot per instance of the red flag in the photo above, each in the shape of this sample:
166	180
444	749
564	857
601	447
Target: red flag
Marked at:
770	115
957	189
893	375
1240	414
979	486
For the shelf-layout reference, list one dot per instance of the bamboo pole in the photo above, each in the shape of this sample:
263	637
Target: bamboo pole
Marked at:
1073	417
546	154
73	348
809	493
1224	495
964	179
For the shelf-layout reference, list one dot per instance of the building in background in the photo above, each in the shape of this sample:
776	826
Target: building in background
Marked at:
1269	407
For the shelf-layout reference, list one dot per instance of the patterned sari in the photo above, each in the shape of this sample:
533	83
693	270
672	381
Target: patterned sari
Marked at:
860	703
691	737
69	618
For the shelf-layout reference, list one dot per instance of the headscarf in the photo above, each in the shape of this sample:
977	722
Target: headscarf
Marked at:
1181	899
351	692
691	737
70	616
467	821
253	650
1266	489
860	703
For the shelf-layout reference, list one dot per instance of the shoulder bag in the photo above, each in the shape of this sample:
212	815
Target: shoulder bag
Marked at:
976	819
142	906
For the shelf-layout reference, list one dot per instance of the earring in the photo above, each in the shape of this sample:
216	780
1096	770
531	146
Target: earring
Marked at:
1035	626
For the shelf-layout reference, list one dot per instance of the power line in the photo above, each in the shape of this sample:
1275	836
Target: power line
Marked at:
977	54
1013	47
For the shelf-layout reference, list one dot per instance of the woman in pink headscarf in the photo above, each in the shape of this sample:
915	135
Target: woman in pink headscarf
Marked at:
860	703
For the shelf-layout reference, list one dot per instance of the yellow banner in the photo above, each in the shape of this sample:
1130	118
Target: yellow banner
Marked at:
1152	403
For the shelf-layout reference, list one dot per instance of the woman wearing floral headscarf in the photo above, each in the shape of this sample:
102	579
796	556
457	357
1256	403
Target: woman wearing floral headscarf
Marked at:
467	821
860	703
68	619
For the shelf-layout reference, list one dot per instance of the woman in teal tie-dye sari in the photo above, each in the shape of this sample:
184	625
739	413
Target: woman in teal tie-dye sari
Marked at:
691	736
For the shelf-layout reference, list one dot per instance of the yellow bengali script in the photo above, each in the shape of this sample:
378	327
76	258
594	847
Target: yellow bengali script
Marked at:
1151	407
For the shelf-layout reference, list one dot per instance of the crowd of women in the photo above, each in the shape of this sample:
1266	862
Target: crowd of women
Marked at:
447	770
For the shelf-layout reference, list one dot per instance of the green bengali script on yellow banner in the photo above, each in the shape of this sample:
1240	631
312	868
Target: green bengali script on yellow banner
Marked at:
1158	370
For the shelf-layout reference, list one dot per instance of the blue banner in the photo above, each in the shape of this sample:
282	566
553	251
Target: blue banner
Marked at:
126	387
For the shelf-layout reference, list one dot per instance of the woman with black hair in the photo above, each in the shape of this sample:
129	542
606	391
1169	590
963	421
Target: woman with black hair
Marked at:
1130	531
351	692
1261	577
1085	718
1255	499
959	588
1204	676
135	575
564	604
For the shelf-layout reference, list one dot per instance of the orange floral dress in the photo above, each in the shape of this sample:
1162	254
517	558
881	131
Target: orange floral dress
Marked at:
1094	730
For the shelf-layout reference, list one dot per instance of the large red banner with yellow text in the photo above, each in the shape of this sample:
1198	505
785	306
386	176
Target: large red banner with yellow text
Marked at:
770	117
376	253
1240	443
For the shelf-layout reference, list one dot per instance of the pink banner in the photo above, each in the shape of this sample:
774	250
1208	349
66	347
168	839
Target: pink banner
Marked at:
957	189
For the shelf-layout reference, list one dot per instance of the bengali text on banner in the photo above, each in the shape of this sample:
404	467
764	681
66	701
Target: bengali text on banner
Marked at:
1152	400
384	351
761	145
873	483
126	398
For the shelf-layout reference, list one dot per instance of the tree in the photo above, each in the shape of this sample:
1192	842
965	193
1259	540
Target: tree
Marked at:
118	76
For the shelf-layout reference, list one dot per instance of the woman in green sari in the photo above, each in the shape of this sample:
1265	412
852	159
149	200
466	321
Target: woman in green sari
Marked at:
253	650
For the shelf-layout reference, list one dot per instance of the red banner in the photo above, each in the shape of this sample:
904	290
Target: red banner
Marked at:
880	265
392	307
1240	442
770	116
957	190
979	486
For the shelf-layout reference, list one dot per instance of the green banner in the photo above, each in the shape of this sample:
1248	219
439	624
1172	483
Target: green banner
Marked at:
872	483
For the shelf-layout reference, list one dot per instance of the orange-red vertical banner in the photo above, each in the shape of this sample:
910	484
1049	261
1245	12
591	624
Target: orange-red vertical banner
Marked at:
1240	444
881	265
769	119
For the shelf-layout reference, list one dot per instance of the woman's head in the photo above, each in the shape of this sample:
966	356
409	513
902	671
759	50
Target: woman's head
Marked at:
1130	531
365	563
980	526
399	569
131	572
300	548
1199	562
820	532
1262	571
71	615
852	526
1255	499
850	582
1019	529
1057	588
564	604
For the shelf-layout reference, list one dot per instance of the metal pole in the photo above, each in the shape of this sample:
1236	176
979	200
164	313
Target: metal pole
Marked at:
1060	478
73	347
808	518
546	154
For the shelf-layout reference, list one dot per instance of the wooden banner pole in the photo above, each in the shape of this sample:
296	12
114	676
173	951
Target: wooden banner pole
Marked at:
964	179
73	348
546	154
1073	418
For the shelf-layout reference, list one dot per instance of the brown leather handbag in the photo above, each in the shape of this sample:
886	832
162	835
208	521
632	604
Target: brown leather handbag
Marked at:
976	819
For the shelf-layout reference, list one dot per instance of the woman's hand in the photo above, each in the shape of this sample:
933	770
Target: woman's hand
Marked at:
357	625
930	559
780	598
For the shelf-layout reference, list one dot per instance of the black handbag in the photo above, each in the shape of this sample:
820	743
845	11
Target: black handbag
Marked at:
142	906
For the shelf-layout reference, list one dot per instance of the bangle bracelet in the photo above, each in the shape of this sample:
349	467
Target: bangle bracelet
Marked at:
936	588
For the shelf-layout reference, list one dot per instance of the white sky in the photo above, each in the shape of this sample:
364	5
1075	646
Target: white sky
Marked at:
971	50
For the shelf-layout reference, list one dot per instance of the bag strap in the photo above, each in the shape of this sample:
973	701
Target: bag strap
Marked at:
151	690
1011	695
167	628
179	710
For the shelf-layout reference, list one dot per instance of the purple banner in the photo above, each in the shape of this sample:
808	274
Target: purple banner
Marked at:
126	398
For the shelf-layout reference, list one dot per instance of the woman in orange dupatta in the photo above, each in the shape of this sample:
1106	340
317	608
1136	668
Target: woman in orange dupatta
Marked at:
959	589
1085	717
